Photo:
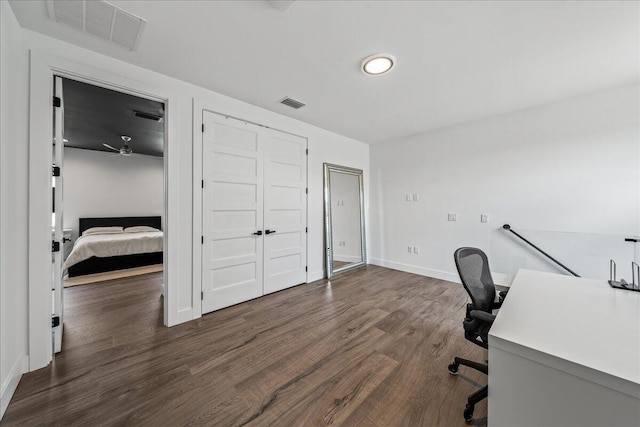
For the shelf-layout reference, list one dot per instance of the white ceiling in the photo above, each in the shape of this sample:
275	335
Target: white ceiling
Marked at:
457	61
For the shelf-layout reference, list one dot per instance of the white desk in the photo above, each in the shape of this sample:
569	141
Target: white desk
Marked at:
565	351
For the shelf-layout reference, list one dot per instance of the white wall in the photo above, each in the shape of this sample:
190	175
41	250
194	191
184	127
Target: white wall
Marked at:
571	166
324	147
99	184
13	206
183	124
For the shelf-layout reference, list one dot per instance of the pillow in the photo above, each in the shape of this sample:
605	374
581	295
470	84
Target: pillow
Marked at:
139	229
102	230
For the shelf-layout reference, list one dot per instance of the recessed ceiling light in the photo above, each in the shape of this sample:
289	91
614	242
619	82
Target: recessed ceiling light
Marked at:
377	64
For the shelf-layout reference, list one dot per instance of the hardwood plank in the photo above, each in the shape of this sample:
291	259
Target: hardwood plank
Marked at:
368	348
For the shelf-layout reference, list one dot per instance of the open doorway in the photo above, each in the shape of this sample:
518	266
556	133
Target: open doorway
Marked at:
108	210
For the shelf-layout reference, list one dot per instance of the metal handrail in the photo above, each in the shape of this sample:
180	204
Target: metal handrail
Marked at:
508	228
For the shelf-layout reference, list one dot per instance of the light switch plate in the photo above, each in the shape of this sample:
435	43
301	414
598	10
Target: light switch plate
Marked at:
484	218
416	250
409	249
416	197
408	197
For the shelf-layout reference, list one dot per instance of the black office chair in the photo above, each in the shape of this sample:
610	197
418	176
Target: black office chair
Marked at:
473	268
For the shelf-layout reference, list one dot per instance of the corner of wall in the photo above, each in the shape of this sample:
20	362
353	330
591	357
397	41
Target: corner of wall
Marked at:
11	383
13	200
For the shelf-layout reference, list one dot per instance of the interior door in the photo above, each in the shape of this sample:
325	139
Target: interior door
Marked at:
58	235
232	219
285	210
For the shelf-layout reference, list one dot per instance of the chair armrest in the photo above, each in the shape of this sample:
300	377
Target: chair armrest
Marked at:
482	316
496	304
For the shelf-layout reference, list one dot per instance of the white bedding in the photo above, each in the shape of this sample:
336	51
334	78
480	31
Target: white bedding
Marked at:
106	245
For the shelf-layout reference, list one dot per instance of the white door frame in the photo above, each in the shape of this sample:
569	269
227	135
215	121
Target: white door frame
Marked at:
42	69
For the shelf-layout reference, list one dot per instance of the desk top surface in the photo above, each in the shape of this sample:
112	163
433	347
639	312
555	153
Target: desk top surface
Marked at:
581	321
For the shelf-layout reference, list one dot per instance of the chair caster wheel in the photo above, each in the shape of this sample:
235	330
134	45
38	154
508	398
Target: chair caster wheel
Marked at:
453	369
468	413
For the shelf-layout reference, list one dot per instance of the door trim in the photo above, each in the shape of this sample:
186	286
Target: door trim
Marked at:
42	69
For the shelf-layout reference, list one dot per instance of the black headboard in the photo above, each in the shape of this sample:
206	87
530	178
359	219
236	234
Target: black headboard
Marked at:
123	221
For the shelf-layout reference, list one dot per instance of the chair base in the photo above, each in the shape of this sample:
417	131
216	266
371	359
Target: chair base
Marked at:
478	395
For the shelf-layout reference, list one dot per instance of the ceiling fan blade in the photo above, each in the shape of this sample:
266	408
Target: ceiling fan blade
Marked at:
112	148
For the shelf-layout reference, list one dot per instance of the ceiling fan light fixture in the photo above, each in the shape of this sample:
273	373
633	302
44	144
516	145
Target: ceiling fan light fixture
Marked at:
125	150
377	64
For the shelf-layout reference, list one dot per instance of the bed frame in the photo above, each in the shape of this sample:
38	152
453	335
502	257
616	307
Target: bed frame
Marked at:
100	265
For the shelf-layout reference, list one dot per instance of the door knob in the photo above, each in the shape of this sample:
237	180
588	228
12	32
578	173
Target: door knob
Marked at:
269	231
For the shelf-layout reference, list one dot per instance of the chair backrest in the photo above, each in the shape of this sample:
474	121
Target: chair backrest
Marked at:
473	268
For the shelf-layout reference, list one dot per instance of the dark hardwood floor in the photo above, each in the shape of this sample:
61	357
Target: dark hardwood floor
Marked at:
369	348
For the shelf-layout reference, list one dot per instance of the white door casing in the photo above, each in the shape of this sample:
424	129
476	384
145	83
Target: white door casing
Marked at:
254	211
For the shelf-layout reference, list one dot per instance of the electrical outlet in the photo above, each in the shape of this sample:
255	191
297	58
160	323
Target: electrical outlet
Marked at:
452	217
416	197
484	218
409	249
416	250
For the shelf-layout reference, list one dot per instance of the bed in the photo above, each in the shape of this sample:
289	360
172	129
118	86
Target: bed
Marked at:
127	250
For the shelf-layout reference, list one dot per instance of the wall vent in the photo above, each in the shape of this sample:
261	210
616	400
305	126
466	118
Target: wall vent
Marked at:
290	102
100	18
148	116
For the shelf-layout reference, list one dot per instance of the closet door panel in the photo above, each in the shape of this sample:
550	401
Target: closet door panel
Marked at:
285	210
232	256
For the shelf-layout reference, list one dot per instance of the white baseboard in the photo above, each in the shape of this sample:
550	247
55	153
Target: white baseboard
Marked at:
500	279
11	383
315	275
408	268
184	315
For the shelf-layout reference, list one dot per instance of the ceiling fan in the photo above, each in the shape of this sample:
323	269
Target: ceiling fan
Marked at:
125	150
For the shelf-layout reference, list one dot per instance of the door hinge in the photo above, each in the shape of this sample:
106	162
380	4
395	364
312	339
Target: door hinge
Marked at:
202	240
306	190
55	321
307	151
55	170
57	102
55	246
203	183
202	296
203	127
306	229
306	268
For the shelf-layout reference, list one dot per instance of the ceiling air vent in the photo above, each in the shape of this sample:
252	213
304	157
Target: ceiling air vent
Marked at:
100	18
148	116
290	102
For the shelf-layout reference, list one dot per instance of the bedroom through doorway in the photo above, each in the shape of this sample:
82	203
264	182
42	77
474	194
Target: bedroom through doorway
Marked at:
108	209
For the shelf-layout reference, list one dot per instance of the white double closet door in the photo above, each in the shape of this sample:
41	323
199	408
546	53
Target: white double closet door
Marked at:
254	220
